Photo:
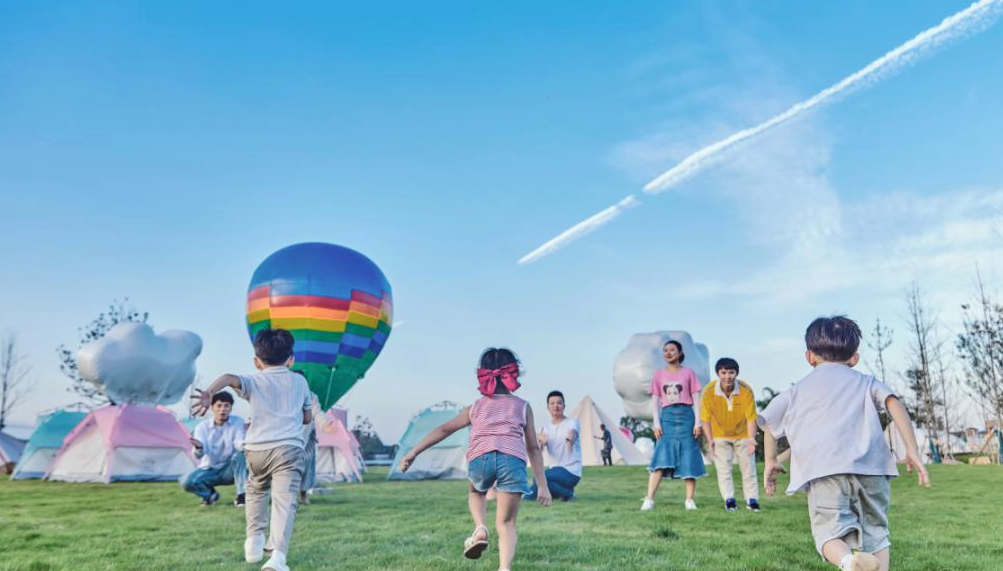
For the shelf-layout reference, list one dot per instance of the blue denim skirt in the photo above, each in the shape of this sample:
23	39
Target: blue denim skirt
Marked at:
677	452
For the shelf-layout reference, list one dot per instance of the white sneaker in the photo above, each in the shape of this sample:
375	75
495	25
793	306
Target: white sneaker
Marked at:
647	505
691	505
277	562
861	562
254	548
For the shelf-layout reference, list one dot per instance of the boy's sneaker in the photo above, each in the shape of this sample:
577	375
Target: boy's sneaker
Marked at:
277	562
753	505
240	501
690	505
254	548
647	505
730	505
860	562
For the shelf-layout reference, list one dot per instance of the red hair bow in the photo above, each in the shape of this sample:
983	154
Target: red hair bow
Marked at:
488	379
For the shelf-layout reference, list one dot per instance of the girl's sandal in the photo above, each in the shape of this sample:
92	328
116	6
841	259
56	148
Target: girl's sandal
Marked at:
474	547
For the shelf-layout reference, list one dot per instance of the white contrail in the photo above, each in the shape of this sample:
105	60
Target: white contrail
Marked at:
580	229
975	18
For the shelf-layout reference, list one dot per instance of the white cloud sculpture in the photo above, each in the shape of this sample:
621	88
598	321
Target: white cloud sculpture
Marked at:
132	364
637	363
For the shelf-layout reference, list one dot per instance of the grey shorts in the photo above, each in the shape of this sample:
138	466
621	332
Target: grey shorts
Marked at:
850	507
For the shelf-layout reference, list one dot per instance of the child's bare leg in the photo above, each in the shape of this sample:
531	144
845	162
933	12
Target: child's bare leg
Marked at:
478	504
654	479
508	509
691	487
883	557
835	550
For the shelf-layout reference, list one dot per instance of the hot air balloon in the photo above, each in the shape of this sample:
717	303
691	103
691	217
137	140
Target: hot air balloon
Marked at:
336	303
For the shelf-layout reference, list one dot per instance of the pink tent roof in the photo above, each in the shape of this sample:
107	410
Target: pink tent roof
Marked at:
140	426
331	432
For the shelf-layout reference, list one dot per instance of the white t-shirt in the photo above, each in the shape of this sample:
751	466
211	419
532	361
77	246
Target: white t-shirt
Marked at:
830	419
219	443
278	398
557	453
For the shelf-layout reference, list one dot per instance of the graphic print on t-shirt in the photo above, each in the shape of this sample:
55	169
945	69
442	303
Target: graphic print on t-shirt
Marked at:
672	392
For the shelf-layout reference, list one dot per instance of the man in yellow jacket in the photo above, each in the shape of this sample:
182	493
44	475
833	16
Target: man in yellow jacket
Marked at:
728	414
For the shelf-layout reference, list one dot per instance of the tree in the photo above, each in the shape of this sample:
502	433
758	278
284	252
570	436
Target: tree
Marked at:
118	312
13	377
980	348
638	428
369	441
920	374
761	404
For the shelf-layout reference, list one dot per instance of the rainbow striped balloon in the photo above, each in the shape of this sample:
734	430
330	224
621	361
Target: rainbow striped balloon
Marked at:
336	303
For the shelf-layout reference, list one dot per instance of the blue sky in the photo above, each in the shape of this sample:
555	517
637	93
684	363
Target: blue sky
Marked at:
161	151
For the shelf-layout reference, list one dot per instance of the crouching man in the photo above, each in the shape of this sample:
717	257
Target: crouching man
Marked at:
218	443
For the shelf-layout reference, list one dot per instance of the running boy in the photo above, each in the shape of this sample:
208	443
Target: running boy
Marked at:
838	454
280	406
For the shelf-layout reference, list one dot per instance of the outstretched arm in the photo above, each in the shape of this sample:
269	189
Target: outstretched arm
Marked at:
536	459
437	435
203	399
900	416
656	417
773	467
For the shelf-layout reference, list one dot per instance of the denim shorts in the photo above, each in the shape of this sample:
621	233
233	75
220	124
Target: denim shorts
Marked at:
850	506
495	468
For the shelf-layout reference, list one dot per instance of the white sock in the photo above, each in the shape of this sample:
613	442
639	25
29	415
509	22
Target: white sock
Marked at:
846	564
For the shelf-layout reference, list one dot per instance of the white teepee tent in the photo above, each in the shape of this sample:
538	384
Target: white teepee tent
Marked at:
589	417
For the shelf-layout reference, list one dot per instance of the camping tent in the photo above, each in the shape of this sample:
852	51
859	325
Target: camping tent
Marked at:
589	417
10	452
338	453
445	460
45	441
124	443
191	423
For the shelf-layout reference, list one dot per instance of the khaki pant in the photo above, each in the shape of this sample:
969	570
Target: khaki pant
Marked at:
725	452
278	470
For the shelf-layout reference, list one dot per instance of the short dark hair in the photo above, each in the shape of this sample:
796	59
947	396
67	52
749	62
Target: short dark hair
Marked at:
273	346
495	358
834	338
682	356
555	394
221	396
726	363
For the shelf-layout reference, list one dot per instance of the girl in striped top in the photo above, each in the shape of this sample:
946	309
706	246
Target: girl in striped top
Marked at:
502	439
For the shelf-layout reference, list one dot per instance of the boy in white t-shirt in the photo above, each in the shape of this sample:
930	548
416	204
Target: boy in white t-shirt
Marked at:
562	451
838	452
280	406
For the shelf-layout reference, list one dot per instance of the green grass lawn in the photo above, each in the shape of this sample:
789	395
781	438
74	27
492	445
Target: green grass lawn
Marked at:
956	525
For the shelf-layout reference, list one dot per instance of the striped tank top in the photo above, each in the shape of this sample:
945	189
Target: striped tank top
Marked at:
497	424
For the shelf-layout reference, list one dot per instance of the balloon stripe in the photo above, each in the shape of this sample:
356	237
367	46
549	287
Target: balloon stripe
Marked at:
309	323
367	298
257	304
355	341
360	330
317	312
365	309
355	317
309	301
312	335
259	292
257	316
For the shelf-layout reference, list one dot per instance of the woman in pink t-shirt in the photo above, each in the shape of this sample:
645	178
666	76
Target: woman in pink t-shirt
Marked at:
675	393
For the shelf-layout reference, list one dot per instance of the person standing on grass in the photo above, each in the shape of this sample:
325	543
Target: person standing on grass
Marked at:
675	393
502	439
559	438
280	406
607	445
217	444
838	451
310	449
728	414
